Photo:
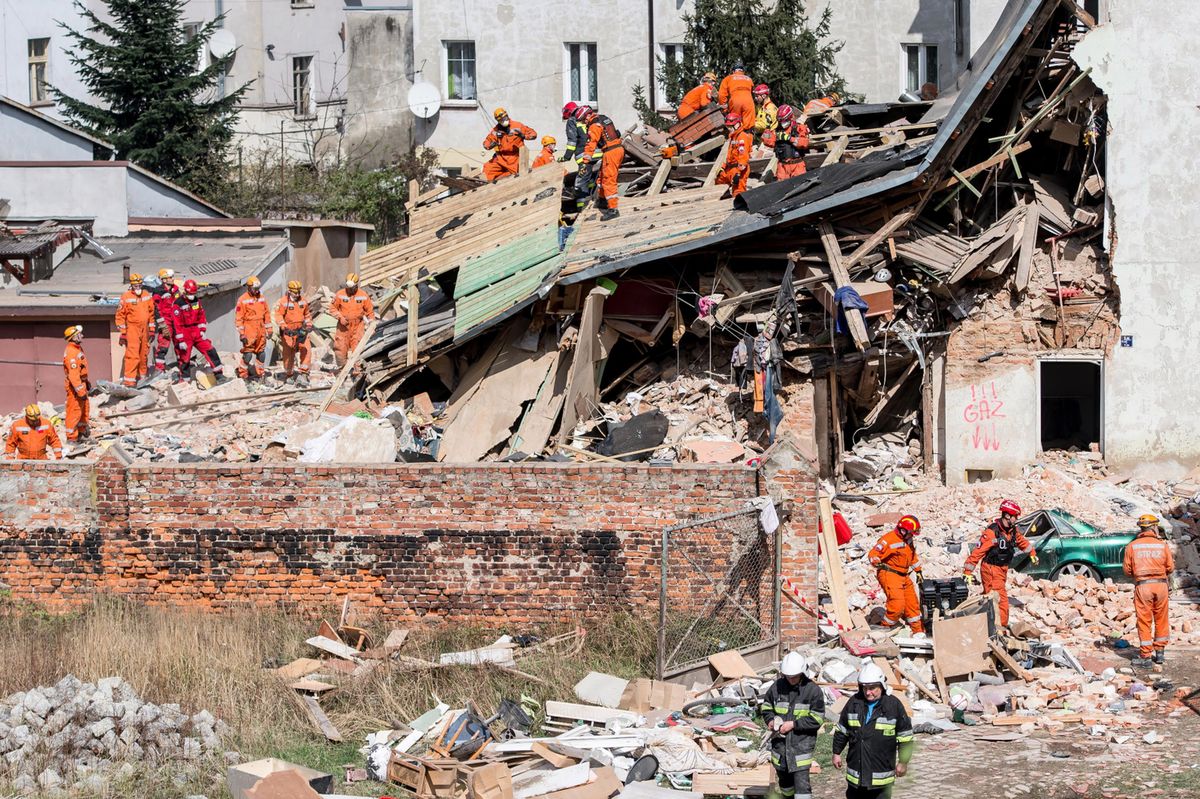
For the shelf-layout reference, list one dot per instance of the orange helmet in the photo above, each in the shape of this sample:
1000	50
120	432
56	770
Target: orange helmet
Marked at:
548	140
32	411
1147	520
500	113
909	524
253	282
72	330
1010	508
135	279
709	77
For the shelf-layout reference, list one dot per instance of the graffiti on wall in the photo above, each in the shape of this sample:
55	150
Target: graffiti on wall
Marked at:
985	407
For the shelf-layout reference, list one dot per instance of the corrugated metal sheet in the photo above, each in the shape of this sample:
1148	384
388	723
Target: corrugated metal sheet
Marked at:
506	260
478	308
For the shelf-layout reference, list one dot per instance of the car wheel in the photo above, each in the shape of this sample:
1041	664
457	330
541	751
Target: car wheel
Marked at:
1077	570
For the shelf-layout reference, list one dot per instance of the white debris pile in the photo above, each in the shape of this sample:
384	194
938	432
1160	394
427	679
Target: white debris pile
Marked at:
82	734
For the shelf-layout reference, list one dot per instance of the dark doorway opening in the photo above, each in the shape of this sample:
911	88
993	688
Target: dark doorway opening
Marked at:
1071	404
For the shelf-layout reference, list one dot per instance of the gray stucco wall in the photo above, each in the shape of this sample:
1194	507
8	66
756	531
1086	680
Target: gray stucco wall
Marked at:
36	192
378	120
25	137
148	197
1152	179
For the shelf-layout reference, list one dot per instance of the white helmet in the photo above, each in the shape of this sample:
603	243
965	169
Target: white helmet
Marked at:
871	674
793	665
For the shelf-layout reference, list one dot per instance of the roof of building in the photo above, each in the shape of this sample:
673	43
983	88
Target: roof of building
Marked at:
58	123
87	279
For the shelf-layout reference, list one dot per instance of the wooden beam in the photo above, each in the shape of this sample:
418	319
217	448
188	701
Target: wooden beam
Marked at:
970	172
891	226
833	566
351	362
412	296
660	177
703	148
835	152
889	395
711	180
1002	655
841	278
1033	219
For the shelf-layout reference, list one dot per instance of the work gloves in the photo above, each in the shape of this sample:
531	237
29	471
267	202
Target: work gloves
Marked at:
970	578
1033	558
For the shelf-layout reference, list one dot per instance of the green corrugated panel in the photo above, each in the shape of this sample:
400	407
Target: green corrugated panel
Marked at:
475	309
505	261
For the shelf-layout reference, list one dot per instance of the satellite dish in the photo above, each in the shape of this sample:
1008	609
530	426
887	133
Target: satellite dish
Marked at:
222	43
424	99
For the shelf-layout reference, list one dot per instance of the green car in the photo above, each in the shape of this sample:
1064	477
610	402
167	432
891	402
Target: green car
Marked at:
1066	545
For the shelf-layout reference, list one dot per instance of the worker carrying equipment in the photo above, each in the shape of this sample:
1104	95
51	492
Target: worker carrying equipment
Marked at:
998	545
737	94
191	332
547	154
135	328
876	733
604	137
353	309
699	97
766	114
793	708
77	385
894	557
252	318
1148	560
506	138
790	143
33	438
295	323
736	170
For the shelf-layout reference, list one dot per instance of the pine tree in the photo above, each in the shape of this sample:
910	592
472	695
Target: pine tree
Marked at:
152	103
777	47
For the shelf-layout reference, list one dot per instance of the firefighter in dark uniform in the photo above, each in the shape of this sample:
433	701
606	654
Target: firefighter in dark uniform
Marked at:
793	709
876	733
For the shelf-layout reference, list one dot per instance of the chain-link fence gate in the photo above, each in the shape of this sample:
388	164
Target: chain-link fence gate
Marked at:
720	590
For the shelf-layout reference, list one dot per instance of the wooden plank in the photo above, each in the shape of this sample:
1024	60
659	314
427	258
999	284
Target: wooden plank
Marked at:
1033	218
890	394
660	177
317	716
891	226
1007	659
835	152
538	422
841	277
833	566
589	713
711	179
941	682
581	389
914	678
739	783
703	148
960	645
335	648
412	296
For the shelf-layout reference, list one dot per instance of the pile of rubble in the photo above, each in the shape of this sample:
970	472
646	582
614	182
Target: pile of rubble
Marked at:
84	734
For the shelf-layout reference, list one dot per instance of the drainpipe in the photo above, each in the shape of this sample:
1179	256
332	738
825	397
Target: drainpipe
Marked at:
220	24
650	50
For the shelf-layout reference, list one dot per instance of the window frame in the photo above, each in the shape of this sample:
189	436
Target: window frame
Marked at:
36	97
923	50
311	112
589	60
460	102
660	91
192	29
303	4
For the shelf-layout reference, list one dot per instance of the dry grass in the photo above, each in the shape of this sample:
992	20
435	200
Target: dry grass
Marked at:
221	663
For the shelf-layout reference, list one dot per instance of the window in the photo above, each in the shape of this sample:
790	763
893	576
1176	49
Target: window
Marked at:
460	71
39	63
920	66
303	3
581	74
302	85
667	54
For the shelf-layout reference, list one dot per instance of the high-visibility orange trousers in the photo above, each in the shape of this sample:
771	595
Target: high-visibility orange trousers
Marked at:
77	412
345	339
995	578
794	169
499	166
743	103
902	601
137	354
734	177
610	164
1154	629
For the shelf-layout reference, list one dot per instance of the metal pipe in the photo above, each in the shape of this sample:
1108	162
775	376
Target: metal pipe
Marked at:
220	24
650	45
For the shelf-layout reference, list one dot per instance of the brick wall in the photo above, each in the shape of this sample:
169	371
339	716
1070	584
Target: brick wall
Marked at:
424	542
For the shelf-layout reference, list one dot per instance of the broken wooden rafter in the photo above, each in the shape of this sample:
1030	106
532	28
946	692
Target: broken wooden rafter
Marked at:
841	278
965	175
891	226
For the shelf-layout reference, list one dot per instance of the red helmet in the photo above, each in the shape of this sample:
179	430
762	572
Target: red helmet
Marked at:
1010	507
583	112
762	89
909	524
189	286
569	109
786	112
733	119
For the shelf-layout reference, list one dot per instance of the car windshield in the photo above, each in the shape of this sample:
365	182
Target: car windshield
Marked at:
1079	526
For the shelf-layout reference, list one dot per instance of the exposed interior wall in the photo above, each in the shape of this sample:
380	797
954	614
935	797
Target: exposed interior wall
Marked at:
379	124
1152	174
323	255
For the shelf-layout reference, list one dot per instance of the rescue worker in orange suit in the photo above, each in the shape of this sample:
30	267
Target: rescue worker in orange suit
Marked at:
698	97
507	139
766	113
546	156
252	318
77	385
191	332
295	324
894	557
33	438
135	326
164	312
821	104
997	546
790	143
736	170
1149	562
604	137
737	93
352	309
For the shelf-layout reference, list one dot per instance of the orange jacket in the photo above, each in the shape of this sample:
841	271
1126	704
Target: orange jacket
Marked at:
894	553
29	442
544	157
987	540
293	314
350	310
135	311
694	100
75	366
510	141
251	313
1148	557
734	83
740	145
818	105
